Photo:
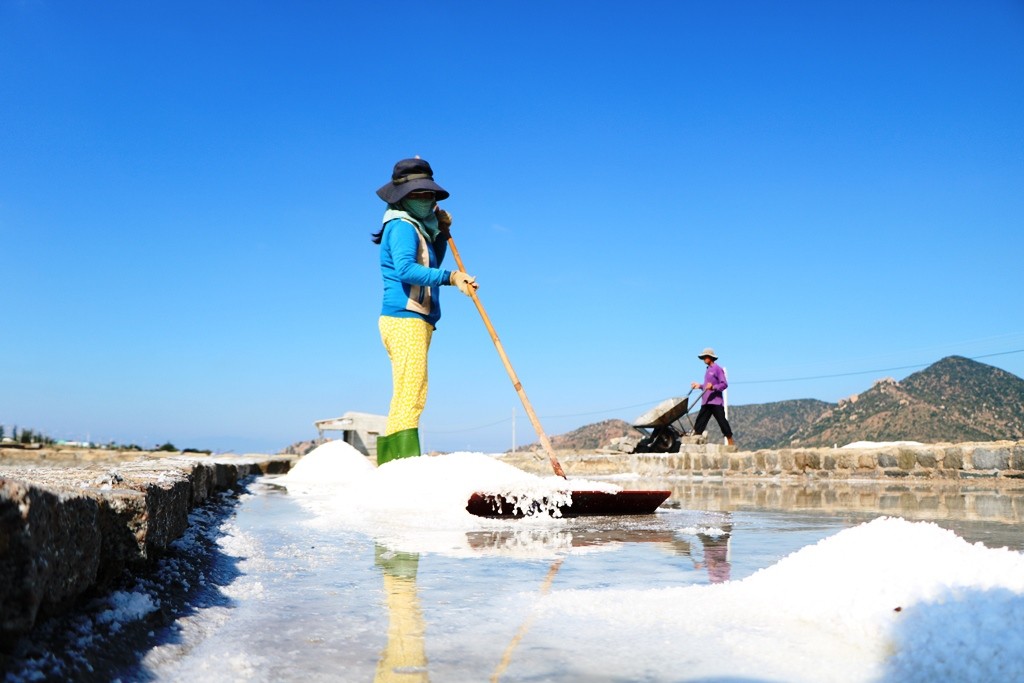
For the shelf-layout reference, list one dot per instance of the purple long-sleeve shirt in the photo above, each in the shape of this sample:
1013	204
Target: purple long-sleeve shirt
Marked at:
716	375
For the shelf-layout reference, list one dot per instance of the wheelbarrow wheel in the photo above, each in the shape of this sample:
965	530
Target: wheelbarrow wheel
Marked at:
643	446
664	440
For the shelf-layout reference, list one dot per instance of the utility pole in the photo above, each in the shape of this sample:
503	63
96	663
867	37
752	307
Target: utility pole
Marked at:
513	429
725	401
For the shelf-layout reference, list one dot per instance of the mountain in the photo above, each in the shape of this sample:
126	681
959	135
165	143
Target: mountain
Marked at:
593	436
766	425
955	399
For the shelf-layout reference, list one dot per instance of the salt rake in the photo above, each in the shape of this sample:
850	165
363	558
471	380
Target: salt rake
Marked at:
582	503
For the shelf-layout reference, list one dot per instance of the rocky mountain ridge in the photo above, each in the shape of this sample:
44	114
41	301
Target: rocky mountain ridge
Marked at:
955	399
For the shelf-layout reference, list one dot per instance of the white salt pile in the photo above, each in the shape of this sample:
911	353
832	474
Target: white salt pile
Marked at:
419	504
437	485
887	600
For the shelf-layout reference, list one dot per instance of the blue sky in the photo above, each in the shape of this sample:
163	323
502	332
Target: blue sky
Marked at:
817	190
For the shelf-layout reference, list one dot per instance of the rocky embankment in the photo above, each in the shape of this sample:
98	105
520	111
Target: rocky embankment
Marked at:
73	520
988	460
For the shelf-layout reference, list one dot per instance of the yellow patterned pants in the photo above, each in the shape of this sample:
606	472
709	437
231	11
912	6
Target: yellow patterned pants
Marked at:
407	341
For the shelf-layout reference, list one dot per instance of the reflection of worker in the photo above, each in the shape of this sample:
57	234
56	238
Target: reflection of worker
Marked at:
413	242
712	401
404	658
716	555
715	551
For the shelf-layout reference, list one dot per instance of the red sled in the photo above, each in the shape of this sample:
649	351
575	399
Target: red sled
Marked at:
584	504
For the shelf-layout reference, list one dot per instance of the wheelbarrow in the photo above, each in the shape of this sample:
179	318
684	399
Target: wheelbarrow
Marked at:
662	426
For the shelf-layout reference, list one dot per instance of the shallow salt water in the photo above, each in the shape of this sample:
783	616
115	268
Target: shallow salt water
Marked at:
340	572
316	603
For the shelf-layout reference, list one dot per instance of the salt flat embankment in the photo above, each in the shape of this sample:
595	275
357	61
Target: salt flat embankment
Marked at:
992	460
73	520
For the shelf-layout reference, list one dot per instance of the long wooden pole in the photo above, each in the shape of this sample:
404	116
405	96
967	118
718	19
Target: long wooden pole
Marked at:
508	368
506	658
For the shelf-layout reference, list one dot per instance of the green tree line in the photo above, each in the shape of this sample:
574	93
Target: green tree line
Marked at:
32	436
26	436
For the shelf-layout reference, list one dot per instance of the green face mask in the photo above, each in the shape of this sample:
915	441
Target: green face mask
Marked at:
420	208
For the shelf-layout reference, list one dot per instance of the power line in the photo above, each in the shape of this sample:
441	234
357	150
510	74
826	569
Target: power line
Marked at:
469	429
864	372
754	381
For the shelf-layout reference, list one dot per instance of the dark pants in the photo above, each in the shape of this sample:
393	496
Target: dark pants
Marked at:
704	416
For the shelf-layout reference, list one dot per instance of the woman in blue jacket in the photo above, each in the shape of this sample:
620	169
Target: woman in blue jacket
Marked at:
413	242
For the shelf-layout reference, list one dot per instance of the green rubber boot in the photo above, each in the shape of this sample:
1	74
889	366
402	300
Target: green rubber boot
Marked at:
383	449
396	563
403	444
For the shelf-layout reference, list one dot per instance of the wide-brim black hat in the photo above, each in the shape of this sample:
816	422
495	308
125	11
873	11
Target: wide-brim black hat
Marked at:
411	175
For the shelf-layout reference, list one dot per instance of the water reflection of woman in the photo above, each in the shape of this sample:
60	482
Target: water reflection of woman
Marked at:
716	554
404	657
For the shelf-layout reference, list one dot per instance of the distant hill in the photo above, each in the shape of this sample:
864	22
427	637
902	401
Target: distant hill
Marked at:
593	436
956	399
767	425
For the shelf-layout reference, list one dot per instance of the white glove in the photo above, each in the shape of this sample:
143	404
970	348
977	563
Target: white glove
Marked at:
466	283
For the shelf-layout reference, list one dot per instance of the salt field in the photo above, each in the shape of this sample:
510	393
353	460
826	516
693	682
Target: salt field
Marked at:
342	572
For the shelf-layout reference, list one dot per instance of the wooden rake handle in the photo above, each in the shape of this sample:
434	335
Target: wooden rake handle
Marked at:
511	373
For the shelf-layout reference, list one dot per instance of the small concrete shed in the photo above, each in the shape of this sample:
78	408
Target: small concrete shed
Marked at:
360	430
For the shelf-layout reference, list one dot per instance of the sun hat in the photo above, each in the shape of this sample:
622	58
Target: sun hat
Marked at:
411	175
708	352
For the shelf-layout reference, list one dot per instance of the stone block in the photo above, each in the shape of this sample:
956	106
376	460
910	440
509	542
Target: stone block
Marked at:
203	482
888	460
906	458
786	461
122	522
952	459
709	462
1017	456
49	551
845	459
985	458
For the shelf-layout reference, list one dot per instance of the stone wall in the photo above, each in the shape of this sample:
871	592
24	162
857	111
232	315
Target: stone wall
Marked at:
980	500
73	521
995	460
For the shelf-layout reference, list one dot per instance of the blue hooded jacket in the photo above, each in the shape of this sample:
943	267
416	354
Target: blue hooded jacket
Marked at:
409	266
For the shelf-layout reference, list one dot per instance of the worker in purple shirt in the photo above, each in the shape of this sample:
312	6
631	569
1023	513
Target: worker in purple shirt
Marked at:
712	402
